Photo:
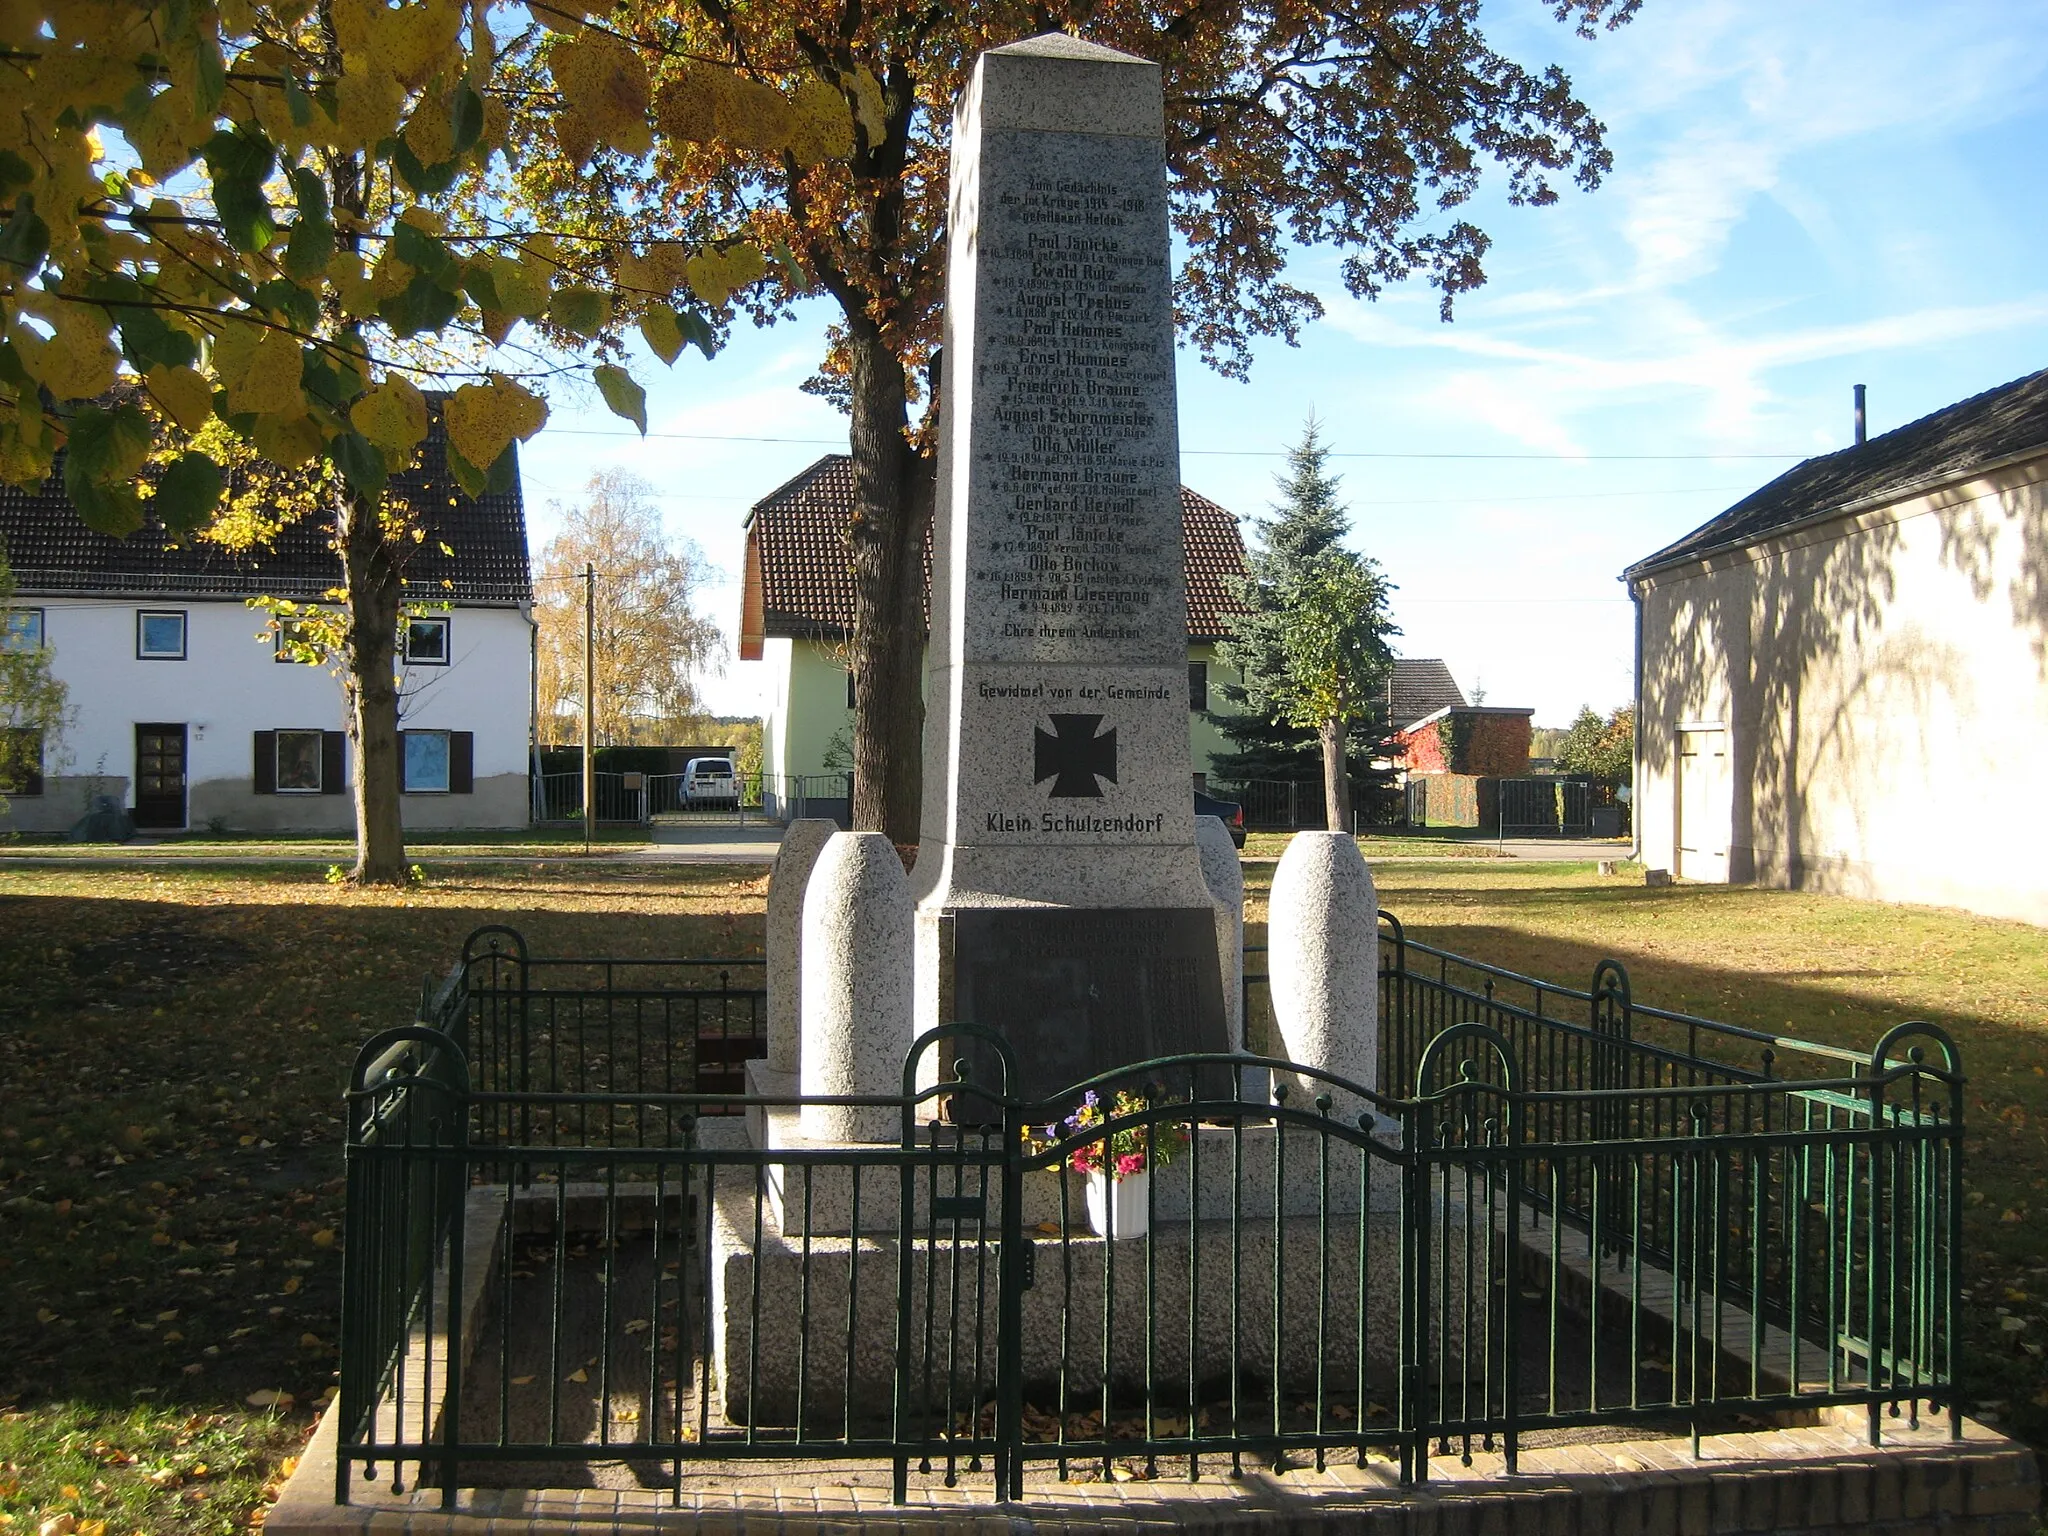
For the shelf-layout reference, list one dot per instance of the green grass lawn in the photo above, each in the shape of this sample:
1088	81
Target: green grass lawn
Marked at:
176	1041
174	1050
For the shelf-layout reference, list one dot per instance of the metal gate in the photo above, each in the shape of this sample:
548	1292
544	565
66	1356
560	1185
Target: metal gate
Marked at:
1546	808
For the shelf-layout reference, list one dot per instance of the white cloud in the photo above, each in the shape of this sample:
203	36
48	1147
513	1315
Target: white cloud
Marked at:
1545	396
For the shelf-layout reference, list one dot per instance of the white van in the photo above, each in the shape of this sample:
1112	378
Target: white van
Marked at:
710	781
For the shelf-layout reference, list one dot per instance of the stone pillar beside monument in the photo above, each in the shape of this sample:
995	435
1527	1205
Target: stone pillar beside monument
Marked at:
1323	964
852	1024
1060	893
1223	873
776	1074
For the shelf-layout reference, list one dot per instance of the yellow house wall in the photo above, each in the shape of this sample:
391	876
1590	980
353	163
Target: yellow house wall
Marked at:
1205	741
806	707
1884	682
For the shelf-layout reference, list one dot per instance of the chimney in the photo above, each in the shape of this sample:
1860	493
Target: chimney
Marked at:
1861	433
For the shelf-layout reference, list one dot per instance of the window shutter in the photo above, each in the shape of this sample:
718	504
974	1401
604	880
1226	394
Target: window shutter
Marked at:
266	763
333	763
461	762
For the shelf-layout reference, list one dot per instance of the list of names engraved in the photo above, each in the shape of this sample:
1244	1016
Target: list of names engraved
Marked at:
1075	466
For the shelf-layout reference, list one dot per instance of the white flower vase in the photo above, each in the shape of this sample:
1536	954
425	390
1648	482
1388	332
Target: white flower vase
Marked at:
1119	1207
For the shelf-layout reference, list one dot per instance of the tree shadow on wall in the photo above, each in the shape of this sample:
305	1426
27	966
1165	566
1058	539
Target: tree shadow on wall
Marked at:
1821	665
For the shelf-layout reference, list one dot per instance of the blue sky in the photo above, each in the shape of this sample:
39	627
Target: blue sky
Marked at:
1806	196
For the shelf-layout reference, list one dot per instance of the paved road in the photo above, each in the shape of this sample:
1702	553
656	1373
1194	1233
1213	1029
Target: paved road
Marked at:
1564	849
713	845
705	845
671	845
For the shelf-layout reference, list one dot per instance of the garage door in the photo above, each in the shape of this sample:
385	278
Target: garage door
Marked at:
1705	803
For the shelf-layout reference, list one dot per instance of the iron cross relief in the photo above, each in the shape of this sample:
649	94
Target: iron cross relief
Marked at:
1074	757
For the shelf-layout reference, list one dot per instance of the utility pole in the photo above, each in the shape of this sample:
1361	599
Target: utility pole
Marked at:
589	704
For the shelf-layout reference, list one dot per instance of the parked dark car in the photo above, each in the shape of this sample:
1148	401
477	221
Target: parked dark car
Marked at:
1229	812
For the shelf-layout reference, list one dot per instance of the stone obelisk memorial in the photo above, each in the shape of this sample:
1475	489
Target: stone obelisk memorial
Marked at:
1064	895
1059	890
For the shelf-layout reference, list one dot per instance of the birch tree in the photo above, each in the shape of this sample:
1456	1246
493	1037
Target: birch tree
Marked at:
652	645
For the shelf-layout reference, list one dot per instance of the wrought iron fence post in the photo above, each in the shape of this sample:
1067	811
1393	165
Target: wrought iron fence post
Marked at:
455	1190
1010	1314
1952	1260
1613	1026
1511	1330
1419	1130
906	1270
1873	1349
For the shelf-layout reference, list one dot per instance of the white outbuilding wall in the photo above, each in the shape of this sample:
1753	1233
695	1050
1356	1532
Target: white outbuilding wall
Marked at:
1859	705
229	686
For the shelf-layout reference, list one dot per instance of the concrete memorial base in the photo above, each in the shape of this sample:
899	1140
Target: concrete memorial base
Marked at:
1253	1161
852	1293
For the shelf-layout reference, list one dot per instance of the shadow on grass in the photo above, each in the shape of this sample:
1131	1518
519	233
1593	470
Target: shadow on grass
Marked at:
2005	1270
170	1137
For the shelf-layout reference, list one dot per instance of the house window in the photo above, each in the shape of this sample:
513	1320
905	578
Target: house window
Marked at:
22	632
426	762
299	639
160	635
1198	685
426	642
438	762
849	690
21	761
301	762
298	762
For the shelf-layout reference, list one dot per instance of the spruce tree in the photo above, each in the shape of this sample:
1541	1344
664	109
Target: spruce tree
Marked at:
1298	551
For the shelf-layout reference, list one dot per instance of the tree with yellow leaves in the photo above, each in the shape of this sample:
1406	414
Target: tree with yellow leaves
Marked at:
817	130
284	218
653	645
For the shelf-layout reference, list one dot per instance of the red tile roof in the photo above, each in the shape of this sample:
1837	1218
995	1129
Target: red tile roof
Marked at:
799	577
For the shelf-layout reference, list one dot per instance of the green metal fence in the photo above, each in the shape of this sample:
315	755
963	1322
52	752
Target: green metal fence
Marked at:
1554	1218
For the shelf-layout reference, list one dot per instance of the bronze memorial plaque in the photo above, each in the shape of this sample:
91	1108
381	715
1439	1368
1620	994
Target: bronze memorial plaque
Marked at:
1078	991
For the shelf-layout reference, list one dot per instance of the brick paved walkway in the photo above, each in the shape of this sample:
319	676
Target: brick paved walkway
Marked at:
1820	1479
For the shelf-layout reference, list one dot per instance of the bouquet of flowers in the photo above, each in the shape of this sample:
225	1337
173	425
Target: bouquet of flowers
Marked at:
1123	1153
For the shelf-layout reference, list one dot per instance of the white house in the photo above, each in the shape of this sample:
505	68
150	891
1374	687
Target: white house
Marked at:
184	710
797	615
1843	679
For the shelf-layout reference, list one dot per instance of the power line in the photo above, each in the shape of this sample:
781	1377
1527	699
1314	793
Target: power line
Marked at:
1245	453
1494	602
1463	501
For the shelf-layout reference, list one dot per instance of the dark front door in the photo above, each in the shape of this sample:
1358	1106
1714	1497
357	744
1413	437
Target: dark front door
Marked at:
159	775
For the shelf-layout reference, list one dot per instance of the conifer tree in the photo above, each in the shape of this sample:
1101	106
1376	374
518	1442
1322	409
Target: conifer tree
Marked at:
1310	644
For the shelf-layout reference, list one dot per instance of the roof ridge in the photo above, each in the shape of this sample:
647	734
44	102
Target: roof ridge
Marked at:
1960	438
801	478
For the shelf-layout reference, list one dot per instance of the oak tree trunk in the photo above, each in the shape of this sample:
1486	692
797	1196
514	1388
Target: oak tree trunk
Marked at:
892	486
374	588
1336	776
